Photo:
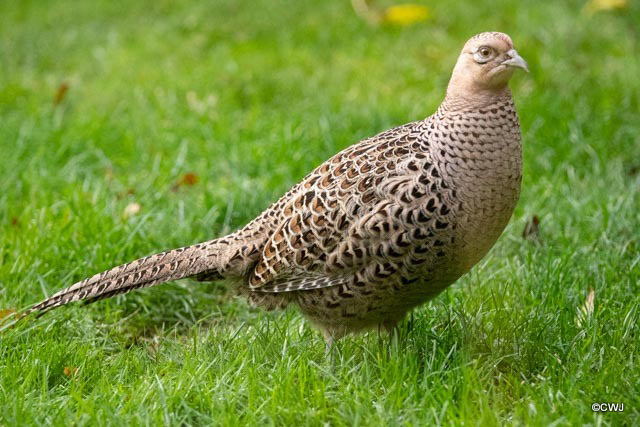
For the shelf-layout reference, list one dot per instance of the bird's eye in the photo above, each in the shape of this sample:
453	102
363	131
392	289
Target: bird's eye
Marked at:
483	54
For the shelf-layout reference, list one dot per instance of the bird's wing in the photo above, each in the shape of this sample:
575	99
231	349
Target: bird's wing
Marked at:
357	214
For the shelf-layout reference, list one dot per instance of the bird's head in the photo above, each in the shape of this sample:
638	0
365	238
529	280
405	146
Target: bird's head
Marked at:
485	66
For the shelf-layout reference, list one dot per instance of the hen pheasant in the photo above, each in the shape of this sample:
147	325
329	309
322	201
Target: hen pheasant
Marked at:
378	229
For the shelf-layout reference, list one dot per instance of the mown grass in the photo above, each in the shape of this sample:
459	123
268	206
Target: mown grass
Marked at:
249	96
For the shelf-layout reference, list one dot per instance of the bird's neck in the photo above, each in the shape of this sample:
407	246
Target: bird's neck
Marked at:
464	100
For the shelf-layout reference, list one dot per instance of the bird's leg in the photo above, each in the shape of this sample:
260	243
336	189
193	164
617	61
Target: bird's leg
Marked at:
328	339
329	353
395	332
380	339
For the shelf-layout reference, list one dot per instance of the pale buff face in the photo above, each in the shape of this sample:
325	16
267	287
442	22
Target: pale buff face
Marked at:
486	63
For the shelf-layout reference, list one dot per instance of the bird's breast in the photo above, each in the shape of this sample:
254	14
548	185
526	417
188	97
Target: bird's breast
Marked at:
482	160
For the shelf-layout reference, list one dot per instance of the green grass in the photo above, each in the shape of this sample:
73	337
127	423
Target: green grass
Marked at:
249	96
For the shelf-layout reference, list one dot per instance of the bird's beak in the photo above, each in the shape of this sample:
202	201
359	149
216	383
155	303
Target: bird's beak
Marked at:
515	60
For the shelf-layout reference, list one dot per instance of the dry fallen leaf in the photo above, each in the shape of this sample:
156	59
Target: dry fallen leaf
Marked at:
406	14
532	228
131	209
122	194
594	6
61	92
188	179
6	313
8	319
69	371
585	313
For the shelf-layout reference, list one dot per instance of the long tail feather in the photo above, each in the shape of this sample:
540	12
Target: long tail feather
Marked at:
152	270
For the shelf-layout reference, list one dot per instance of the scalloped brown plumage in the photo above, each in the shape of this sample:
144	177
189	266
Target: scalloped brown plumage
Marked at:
379	228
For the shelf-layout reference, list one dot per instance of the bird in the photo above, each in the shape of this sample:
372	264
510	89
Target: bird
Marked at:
378	229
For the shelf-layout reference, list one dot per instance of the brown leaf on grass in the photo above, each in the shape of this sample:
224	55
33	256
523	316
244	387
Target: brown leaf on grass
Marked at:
61	92
122	194
187	180
531	229
8	318
69	371
6	312
190	179
585	313
15	222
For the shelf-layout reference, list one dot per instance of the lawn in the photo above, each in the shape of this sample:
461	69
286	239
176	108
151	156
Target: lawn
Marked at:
127	128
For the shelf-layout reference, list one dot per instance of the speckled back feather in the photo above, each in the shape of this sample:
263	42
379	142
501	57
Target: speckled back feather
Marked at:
379	228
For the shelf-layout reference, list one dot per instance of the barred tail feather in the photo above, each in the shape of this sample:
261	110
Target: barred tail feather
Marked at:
152	270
